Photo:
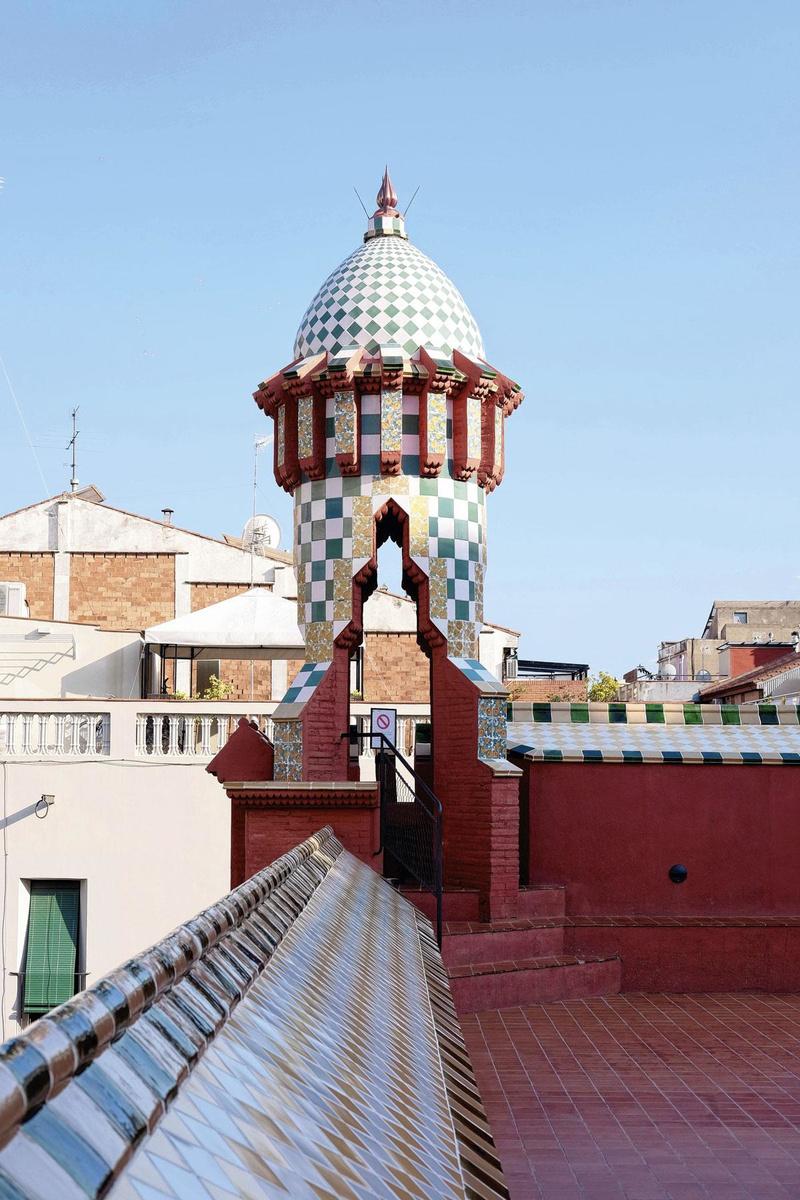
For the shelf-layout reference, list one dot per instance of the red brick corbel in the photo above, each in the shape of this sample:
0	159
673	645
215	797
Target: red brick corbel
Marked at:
437	381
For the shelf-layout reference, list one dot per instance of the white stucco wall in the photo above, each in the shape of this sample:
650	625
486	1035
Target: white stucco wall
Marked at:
104	662
151	840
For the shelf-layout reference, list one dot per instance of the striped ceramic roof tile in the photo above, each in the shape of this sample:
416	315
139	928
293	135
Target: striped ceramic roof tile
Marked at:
298	1039
654	741
648	713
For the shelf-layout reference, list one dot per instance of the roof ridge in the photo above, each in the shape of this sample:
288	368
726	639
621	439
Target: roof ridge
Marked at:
217	966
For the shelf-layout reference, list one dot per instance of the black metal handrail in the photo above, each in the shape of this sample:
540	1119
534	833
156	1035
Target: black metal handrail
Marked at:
410	817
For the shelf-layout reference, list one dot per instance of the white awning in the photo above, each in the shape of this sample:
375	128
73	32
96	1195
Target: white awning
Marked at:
256	624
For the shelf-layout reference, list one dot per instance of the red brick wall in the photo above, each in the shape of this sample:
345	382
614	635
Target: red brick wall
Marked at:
610	832
395	669
547	689
122	591
325	719
270	832
36	572
481	810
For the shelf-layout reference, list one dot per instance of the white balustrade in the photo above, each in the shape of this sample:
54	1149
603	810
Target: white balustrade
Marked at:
47	734
162	730
184	735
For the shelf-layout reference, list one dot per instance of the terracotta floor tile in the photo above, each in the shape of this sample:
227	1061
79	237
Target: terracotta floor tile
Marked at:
645	1097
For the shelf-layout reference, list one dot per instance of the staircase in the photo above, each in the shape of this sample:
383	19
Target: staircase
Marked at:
501	964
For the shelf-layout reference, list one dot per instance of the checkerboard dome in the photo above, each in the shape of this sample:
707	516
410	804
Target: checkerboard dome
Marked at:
388	292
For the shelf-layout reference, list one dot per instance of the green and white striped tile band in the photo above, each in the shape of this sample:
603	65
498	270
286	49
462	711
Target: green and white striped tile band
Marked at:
562	739
669	713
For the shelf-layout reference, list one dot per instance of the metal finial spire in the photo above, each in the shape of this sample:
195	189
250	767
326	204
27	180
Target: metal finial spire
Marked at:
387	196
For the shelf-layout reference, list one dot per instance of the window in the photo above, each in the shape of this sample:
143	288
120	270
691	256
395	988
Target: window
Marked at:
50	971
357	671
740	618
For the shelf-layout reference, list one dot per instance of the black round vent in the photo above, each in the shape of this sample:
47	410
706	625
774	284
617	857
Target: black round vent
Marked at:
678	873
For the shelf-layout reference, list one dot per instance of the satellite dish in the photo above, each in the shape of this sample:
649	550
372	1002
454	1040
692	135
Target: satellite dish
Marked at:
668	671
703	676
261	532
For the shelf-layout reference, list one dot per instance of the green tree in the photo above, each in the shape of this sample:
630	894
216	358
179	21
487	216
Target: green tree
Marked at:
216	690
603	687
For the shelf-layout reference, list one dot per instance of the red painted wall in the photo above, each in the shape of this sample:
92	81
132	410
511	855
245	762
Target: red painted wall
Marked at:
610	832
706	959
746	658
480	809
263	834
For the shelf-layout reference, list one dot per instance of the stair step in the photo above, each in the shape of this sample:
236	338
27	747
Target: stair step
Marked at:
458	904
486	986
542	901
499	943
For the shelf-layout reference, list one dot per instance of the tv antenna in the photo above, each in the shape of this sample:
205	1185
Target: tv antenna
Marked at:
361	202
411	201
72	445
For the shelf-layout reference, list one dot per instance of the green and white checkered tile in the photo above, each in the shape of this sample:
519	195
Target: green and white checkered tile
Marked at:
654	742
452	530
478	674
388	291
305	683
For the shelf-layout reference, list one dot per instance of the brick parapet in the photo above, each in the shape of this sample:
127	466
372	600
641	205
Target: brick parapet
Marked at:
122	591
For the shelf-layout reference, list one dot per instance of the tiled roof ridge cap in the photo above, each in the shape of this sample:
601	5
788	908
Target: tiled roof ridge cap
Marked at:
481	1170
63	1043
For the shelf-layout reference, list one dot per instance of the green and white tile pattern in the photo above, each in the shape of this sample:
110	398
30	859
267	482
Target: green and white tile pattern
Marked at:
388	291
333	538
664	733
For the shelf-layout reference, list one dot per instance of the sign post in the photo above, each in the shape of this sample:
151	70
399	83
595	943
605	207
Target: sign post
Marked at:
383	720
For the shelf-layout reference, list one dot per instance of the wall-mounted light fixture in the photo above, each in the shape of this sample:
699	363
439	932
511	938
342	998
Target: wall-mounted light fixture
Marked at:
43	806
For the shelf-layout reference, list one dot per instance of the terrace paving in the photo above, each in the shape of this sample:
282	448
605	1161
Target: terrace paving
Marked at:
644	1097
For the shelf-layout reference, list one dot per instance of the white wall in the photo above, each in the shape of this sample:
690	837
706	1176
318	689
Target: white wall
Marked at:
104	662
152	841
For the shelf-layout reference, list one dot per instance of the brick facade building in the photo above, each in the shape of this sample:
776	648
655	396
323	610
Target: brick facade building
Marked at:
85	562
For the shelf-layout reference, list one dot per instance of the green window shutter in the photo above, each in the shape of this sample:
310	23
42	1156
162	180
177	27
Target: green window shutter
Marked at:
52	955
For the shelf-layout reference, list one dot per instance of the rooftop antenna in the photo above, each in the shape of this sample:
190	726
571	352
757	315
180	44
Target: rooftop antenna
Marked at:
72	444
411	201
361	202
259	443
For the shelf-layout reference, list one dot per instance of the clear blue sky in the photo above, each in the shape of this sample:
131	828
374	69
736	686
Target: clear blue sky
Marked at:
613	186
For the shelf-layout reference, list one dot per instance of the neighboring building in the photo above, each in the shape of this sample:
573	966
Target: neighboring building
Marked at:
75	564
746	620
777	678
738	635
643	686
542	680
82	561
